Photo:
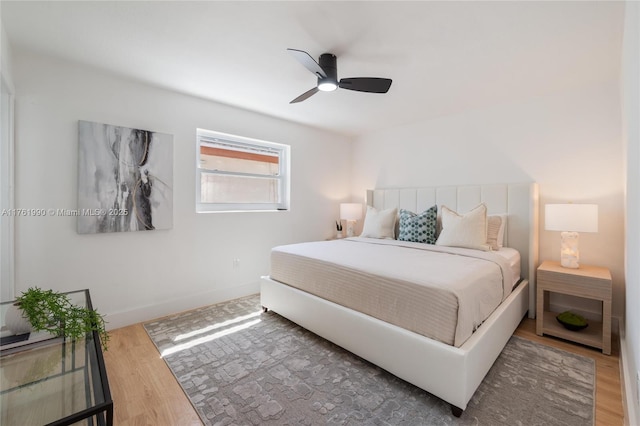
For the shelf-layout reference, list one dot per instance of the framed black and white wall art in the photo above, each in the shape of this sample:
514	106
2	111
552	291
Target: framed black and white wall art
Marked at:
125	179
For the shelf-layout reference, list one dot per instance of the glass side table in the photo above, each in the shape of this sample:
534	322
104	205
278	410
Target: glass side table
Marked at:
47	380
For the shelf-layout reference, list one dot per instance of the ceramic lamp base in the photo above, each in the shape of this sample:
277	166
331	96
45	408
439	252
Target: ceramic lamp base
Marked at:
350	224
569	253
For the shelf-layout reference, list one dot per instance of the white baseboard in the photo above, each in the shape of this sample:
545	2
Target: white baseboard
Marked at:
150	312
628	381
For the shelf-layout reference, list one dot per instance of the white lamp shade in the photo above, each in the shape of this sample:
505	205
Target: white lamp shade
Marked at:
571	217
350	211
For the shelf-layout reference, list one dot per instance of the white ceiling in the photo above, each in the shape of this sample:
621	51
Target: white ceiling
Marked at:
443	57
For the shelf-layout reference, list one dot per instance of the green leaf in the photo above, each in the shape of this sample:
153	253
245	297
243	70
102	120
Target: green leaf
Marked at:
53	312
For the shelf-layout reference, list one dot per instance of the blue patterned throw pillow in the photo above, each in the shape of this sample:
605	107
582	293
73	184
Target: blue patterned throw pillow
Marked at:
419	228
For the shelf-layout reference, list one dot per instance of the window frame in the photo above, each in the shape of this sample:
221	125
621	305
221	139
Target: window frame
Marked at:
283	177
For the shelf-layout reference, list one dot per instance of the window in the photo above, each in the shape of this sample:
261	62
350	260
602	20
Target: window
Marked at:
238	174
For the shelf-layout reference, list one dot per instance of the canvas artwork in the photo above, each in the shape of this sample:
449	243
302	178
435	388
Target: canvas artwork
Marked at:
125	179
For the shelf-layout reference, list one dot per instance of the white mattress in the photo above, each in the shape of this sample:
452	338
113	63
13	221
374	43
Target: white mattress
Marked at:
442	293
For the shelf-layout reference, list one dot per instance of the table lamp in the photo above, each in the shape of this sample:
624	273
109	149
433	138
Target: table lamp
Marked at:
571	219
350	212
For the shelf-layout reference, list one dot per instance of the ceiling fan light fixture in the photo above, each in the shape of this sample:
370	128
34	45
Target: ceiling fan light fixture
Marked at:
326	71
327	86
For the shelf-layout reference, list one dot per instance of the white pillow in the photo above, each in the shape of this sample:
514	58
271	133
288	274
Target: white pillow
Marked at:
503	223
379	224
468	230
494	223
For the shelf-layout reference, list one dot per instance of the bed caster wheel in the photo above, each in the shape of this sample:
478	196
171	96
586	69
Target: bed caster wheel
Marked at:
457	412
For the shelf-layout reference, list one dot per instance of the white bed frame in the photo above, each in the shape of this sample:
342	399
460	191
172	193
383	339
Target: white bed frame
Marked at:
450	373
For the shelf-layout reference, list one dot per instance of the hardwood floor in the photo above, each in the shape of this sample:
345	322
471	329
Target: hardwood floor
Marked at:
146	393
143	388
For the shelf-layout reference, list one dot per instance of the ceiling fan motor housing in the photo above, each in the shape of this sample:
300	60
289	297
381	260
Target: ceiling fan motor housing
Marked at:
328	63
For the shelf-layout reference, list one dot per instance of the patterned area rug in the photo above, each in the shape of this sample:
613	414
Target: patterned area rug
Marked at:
239	366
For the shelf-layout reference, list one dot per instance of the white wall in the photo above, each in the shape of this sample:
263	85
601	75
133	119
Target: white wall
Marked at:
630	345
569	143
141	275
6	192
6	166
6	58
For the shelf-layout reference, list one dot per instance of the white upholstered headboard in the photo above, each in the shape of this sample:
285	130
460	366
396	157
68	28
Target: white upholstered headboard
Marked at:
519	201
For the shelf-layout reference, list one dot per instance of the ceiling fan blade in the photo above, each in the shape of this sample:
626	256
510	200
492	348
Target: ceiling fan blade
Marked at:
366	84
309	63
305	95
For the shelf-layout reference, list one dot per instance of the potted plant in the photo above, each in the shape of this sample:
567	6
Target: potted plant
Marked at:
339	229
53	312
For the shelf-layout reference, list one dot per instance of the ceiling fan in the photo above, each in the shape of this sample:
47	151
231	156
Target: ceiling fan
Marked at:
327	72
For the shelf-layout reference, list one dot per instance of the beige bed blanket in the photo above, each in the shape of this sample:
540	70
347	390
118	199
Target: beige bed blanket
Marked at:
443	293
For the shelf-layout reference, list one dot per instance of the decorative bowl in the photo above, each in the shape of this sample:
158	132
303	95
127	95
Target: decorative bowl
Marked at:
571	321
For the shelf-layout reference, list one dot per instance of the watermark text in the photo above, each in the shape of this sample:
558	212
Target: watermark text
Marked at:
63	212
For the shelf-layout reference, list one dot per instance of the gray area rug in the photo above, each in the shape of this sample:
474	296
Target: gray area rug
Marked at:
239	366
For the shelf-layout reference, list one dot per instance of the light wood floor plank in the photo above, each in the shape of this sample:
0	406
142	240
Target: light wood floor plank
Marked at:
144	390
146	393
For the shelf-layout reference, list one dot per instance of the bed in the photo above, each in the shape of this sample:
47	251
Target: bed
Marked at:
449	366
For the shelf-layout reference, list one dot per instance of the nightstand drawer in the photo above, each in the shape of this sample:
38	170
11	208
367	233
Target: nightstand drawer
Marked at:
588	281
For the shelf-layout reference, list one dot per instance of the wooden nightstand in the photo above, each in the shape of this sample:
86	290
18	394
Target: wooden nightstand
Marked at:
590	282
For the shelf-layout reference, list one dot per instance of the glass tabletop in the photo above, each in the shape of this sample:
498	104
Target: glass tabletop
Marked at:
50	380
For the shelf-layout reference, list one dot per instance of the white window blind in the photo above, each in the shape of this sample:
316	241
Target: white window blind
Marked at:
237	173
